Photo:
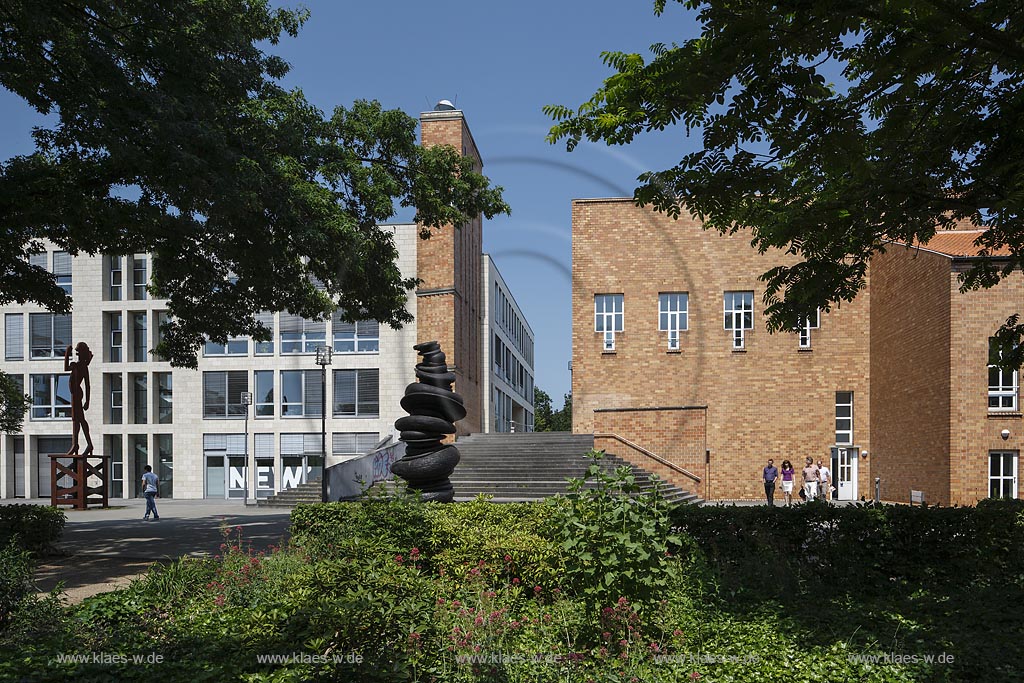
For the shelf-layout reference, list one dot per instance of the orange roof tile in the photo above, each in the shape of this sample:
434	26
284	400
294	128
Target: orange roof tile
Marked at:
959	243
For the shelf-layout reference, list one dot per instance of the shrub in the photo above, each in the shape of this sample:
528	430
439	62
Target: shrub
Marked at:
35	527
614	544
15	581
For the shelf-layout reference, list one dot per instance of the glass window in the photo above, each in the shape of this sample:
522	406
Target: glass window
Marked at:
115	279
62	270
608	317
672	315
51	397
165	464
362	336
140	398
1002	477
844	417
115	340
140	279
299	335
301	393
164	398
1002	383
14	336
266	348
357	393
115	397
50	334
739	315
222	393
264	397
139	341
804	326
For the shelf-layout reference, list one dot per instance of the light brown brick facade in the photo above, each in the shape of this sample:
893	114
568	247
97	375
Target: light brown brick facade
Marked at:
448	265
911	348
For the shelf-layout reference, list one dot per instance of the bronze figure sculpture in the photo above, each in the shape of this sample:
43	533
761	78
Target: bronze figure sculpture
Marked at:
79	399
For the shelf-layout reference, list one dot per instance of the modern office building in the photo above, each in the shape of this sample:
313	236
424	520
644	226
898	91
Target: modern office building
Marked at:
508	350
193	426
670	353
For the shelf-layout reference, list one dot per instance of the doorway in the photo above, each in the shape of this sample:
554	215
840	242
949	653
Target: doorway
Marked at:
844	472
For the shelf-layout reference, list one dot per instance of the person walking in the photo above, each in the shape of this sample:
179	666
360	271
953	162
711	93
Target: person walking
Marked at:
810	473
788	474
769	475
824	482
151	490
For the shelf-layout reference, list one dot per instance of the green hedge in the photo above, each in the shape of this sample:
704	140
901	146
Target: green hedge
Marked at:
859	549
32	527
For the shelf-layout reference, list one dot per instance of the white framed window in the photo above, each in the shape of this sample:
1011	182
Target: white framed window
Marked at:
140	278
1002	474
140	343
357	393
115	278
51	397
236	346
264	395
14	336
353	443
362	336
672	315
140	397
608	317
266	348
1002	383
301	393
115	397
844	417
115	340
222	393
805	324
50	334
164	397
739	315
299	335
62	270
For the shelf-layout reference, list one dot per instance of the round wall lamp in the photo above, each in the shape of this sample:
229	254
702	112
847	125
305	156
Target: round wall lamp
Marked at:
1005	434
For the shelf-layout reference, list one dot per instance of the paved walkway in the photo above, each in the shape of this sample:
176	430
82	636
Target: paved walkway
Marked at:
104	549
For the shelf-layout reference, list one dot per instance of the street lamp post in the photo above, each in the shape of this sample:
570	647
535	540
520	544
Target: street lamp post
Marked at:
246	402
323	359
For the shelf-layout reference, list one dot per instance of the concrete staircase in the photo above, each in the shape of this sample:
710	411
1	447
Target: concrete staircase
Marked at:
513	468
531	466
289	498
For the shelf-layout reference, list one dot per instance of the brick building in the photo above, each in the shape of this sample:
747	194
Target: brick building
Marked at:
191	425
673	366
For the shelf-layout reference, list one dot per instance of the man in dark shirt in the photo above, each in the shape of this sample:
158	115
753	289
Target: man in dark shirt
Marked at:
770	475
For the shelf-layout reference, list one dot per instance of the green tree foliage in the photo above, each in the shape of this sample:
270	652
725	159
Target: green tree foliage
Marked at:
13	404
921	130
546	418
170	134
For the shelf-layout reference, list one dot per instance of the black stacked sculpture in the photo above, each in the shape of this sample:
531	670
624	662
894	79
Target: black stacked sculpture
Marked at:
433	409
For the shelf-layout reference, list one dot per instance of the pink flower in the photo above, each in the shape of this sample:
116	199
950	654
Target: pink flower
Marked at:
508	558
695	675
479	621
455	603
677	633
414	552
398	559
516	581
536	589
623	642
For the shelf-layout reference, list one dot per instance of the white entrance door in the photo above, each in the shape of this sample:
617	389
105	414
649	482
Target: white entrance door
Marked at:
844	472
1002	474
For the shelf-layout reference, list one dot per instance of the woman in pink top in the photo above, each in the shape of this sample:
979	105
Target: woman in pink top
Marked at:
787	481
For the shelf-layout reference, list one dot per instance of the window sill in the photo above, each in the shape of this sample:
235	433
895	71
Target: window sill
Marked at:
804	350
672	352
605	352
1005	415
739	350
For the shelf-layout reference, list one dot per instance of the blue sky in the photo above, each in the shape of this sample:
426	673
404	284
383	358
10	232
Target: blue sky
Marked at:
500	63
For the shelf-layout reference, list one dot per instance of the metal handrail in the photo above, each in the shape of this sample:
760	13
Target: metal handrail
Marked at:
649	454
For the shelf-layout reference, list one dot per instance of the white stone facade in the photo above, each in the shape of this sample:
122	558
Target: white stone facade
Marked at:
508	342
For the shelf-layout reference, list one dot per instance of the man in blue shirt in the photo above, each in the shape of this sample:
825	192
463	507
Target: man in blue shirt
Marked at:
150	489
770	475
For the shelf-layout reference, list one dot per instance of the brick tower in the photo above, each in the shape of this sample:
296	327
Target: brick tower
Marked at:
449	307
